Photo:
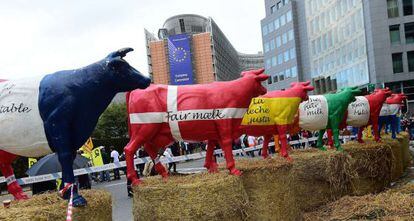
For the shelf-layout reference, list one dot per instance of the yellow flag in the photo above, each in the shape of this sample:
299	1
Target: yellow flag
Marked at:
31	161
271	111
88	146
97	157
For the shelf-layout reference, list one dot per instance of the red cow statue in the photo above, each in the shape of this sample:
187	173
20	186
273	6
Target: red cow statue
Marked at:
161	114
389	112
375	100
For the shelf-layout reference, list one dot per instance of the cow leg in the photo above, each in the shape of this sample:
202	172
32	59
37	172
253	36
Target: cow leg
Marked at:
226	143
336	139
6	159
265	152
375	129
381	122
153	153
130	149
210	162
394	123
319	143
330	140
360	130
281	130
277	145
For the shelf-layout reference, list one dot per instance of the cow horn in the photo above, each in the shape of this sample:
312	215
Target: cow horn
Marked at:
120	53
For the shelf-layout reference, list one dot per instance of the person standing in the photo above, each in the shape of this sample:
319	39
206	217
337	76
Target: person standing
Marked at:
105	176
115	159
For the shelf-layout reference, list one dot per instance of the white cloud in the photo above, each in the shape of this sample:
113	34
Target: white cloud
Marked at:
44	36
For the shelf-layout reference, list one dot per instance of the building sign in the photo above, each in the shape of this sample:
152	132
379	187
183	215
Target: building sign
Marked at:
181	69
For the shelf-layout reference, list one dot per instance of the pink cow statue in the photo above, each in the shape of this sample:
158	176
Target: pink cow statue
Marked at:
162	114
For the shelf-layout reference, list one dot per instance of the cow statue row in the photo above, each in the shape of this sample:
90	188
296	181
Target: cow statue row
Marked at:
57	113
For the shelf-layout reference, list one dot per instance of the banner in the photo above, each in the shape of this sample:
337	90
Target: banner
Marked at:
31	161
179	56
313	113
271	111
97	157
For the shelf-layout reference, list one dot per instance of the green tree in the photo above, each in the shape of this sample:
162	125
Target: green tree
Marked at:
112	123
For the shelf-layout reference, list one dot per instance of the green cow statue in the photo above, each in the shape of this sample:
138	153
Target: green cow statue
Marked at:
322	112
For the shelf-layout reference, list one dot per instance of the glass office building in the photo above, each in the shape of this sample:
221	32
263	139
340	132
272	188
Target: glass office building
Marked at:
337	44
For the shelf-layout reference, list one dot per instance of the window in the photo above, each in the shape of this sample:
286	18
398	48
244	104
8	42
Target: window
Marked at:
274	62
280	59
287	73
266	47
290	35
269	81
278	5
409	32
182	26
275	79
282	20
272	44
397	63
276	23
286	56
410	57
289	16
284	38
272	9
408	7
264	30
294	71
292	53
281	76
278	41
270	27
395	34
268	64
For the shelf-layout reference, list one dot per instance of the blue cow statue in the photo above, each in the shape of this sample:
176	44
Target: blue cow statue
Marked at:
389	111
57	113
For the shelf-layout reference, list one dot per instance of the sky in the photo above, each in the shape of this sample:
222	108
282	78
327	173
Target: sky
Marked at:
44	36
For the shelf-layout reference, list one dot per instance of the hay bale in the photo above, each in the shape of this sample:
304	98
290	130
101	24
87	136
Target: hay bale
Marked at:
281	190
396	204
50	206
404	140
319	177
268	186
194	197
371	164
397	168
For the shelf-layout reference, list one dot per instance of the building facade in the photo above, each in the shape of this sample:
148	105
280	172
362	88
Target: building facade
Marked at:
342	43
210	55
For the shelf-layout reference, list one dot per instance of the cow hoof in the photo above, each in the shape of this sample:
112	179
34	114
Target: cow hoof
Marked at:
213	170
235	172
289	159
322	148
21	196
361	141
79	201
265	156
136	182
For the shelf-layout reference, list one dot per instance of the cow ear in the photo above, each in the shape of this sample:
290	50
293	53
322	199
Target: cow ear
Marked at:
116	62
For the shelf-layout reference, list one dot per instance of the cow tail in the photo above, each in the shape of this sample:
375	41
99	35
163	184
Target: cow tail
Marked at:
127	94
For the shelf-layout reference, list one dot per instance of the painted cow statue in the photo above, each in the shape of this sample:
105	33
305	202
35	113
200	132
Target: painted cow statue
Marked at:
389	111
58	112
274	114
375	101
326	111
162	114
